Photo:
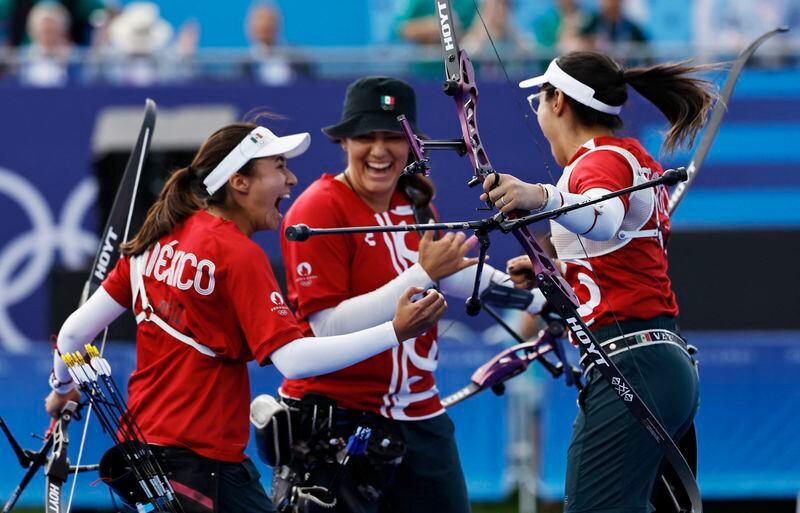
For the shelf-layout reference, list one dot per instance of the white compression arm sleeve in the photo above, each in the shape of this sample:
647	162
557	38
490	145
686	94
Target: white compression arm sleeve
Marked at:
595	222
370	309
313	356
82	327
378	306
301	358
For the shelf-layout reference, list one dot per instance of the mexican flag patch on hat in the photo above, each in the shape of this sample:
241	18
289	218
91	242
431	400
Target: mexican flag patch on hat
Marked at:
387	102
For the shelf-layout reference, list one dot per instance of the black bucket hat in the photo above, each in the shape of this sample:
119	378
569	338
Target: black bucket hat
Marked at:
372	104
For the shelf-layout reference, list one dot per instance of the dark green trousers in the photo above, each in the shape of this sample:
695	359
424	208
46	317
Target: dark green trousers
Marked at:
613	462
240	489
430	479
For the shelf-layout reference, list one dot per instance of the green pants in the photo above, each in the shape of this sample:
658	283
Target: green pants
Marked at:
613	462
430	479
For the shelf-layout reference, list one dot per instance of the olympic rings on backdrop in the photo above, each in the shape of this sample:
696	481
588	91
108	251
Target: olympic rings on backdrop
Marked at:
26	260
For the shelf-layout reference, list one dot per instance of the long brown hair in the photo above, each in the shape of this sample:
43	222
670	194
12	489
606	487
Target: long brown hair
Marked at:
683	98
418	188
183	194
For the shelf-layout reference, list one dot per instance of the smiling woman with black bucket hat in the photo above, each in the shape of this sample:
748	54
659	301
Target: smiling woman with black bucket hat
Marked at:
337	283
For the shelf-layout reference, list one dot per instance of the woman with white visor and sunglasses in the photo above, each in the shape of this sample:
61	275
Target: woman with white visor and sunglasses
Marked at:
614	256
206	302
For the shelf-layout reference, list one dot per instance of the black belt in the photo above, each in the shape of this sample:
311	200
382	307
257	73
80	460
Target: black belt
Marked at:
638	339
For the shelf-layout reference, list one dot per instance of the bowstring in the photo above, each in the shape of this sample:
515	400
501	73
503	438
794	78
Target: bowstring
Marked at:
142	156
543	158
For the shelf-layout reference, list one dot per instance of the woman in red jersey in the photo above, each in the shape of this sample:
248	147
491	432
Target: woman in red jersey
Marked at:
206	302
341	283
615	258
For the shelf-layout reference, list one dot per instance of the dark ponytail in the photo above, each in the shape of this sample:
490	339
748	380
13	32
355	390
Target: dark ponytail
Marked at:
684	100
184	194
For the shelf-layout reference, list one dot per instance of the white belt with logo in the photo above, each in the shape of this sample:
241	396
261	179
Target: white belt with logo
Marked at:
644	338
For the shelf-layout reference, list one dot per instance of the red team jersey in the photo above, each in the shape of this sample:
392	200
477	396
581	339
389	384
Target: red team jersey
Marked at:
631	281
324	271
216	286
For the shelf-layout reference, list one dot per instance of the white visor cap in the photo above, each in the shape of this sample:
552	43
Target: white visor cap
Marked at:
261	142
573	88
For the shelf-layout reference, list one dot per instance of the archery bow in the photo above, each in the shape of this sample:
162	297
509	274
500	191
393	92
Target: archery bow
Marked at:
461	86
115	233
52	455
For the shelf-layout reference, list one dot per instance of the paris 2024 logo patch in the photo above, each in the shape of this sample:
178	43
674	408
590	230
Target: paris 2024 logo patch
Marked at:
280	307
305	276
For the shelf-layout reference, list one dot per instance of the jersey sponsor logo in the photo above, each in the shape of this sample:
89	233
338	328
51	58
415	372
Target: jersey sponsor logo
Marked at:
280	305
304	276
181	269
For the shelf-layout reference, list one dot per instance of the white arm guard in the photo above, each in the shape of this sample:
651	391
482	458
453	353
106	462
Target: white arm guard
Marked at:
595	222
314	356
370	309
81	328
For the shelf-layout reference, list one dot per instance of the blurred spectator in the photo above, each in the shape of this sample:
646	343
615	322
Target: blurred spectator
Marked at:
727	26
272	63
610	27
497	15
559	28
419	22
511	43
84	15
45	62
138	50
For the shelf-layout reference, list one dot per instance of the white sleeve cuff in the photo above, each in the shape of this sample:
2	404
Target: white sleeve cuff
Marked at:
370	309
60	387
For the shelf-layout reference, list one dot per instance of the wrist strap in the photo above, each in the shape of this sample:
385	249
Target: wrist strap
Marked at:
60	387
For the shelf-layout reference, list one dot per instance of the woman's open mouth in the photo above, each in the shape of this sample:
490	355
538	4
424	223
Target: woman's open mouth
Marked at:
378	167
278	202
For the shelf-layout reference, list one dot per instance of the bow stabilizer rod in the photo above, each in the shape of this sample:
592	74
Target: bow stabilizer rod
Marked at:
302	232
670	177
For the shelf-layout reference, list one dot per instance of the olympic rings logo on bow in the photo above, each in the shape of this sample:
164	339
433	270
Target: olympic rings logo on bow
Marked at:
26	260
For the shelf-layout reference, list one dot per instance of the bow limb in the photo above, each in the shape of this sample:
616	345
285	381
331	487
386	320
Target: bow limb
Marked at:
461	85
717	114
115	233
